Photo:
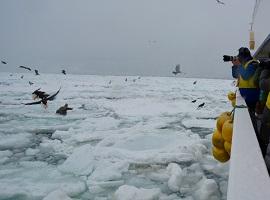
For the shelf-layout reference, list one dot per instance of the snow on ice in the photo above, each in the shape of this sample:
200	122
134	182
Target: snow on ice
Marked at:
142	140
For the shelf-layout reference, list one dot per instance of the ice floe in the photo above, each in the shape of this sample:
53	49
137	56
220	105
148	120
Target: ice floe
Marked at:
140	140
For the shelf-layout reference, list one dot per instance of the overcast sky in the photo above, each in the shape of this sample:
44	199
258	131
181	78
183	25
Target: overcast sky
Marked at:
123	37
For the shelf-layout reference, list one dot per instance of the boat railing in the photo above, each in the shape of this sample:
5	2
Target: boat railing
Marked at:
248	175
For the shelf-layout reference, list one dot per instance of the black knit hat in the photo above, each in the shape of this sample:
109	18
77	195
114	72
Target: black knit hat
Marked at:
244	53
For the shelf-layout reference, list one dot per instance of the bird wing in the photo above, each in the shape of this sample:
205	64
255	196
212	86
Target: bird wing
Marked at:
33	103
25	68
52	97
220	2
177	68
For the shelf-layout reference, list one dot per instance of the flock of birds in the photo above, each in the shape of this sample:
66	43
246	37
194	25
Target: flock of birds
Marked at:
178	71
194	101
29	69
44	97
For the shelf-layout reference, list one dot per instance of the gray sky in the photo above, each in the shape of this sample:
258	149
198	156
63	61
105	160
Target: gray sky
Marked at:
123	37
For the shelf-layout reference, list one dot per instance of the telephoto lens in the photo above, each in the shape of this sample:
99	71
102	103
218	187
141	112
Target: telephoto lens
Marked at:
227	58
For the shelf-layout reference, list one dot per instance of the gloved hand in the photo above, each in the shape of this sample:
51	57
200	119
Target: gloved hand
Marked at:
236	62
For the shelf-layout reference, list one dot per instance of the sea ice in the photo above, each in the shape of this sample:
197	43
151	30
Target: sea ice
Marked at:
176	177
57	195
81	162
15	141
208	190
127	192
140	140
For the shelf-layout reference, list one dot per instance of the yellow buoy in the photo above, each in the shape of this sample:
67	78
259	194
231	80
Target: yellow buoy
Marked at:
231	95
217	139
221	119
227	130
220	154
227	146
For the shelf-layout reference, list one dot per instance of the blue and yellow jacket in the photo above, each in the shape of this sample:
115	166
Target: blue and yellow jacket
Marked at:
246	75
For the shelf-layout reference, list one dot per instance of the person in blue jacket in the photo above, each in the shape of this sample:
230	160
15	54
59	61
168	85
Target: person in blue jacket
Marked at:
245	70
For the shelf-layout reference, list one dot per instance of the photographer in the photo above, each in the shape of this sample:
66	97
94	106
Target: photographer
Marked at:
245	70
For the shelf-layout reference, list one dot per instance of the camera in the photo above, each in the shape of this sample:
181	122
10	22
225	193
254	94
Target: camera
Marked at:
227	58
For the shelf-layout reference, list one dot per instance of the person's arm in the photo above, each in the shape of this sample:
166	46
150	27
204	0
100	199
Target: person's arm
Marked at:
235	71
247	72
235	68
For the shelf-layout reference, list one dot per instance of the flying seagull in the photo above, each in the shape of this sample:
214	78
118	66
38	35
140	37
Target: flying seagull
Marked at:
194	82
220	2
3	62
28	68
30	83
36	71
177	70
44	100
64	71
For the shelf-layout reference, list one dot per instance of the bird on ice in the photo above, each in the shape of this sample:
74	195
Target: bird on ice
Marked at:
201	105
63	110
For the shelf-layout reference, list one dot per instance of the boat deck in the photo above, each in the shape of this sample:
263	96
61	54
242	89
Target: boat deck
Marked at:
248	176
